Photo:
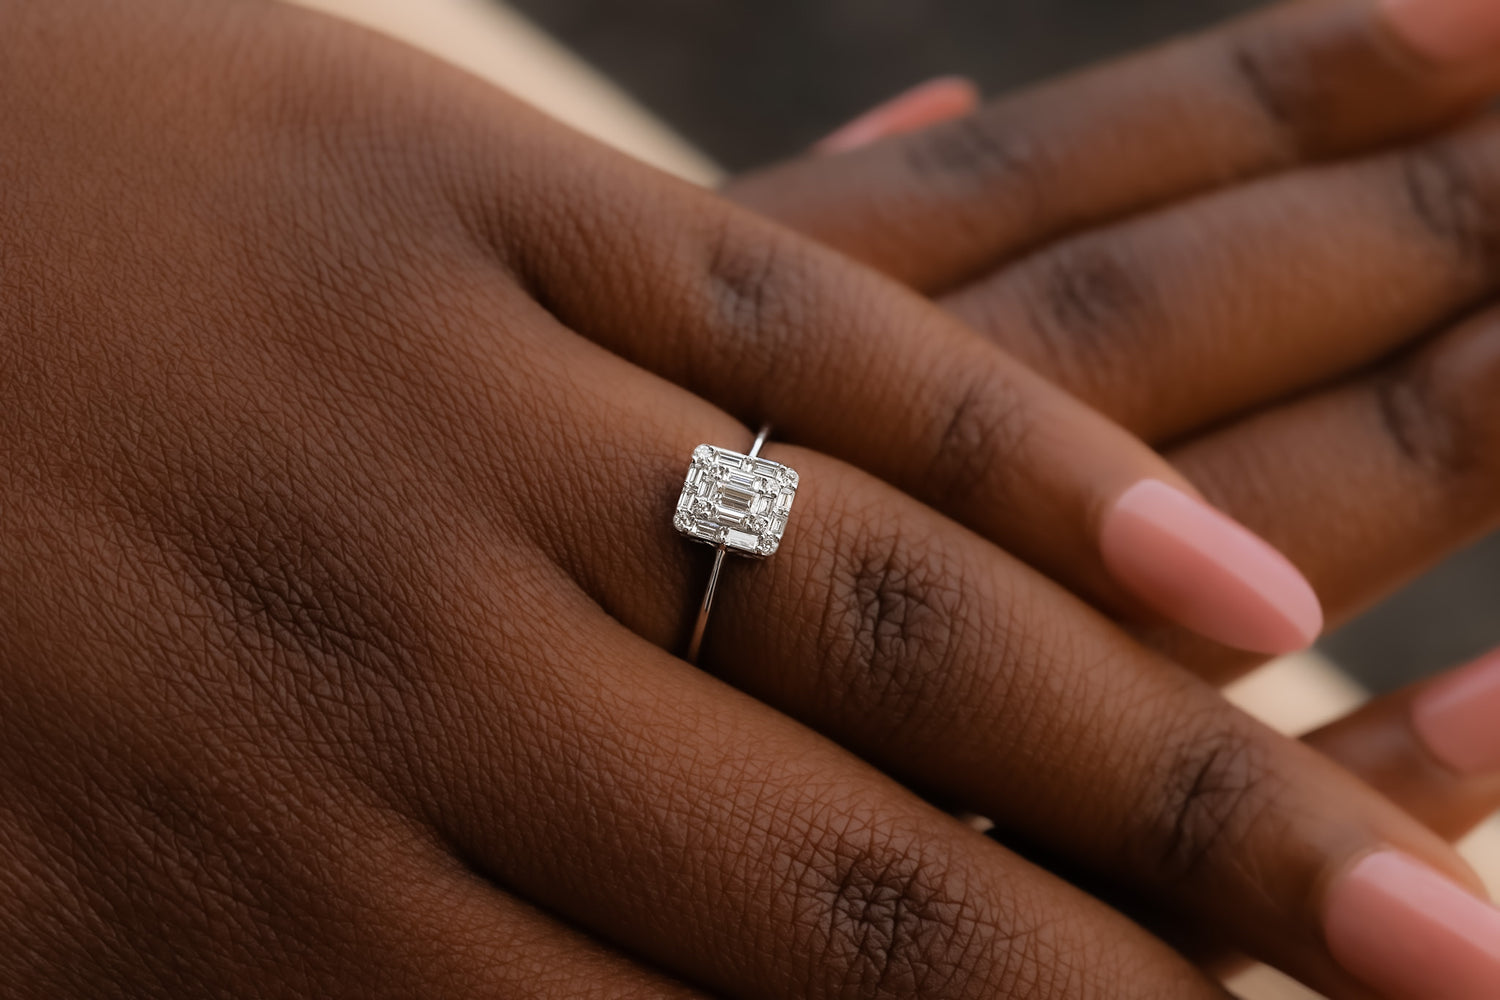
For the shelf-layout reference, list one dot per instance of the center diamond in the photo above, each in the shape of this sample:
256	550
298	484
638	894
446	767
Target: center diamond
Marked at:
734	500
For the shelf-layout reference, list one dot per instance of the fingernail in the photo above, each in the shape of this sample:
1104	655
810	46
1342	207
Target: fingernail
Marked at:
1458	718
927	104
1446	31
1207	572
1412	934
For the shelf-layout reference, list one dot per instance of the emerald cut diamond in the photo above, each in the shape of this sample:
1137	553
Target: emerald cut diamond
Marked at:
736	501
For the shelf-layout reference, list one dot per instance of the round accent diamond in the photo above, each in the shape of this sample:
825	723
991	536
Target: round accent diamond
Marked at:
702	454
682	523
790	477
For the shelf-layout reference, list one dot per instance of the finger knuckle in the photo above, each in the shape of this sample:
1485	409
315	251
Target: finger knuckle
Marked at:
890	627
984	425
758	289
982	151
1446	194
1437	411
1273	78
741	279
1215	791
1416	423
1088	301
889	918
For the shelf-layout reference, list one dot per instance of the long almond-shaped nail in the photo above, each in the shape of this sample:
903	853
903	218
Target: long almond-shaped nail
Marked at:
1446	31
927	104
1206	572
1458	718
1411	934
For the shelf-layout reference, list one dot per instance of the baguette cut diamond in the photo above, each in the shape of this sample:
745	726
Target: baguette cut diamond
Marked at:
736	501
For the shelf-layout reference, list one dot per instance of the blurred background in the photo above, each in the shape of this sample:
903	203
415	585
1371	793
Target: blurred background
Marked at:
750	81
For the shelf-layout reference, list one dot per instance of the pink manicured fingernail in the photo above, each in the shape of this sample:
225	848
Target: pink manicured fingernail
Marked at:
1411	934
927	104
1206	572
1458	718
1446	30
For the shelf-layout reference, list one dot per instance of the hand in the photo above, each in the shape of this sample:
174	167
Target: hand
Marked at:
1346	477
339	592
1167	238
1228	246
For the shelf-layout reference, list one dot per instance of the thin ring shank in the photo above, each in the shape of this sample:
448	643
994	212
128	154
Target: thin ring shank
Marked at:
695	645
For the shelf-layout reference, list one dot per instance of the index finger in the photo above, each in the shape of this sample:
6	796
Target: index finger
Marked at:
1298	82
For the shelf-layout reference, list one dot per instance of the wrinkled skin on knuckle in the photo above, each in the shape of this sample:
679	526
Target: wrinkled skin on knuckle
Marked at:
1439	412
1417	423
1216	798
1091	312
1452	201
981	422
1276	83
762	291
1317	81
1000	151
887	625
730	297
883	915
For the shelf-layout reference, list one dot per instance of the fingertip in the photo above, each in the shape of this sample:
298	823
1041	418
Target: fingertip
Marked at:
1206	572
1455	718
1409	931
927	104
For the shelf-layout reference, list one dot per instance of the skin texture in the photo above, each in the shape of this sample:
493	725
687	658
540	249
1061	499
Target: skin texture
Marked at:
1239	246
1189	324
329	669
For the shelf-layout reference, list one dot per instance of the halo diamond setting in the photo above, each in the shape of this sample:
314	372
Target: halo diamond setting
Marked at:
735	500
